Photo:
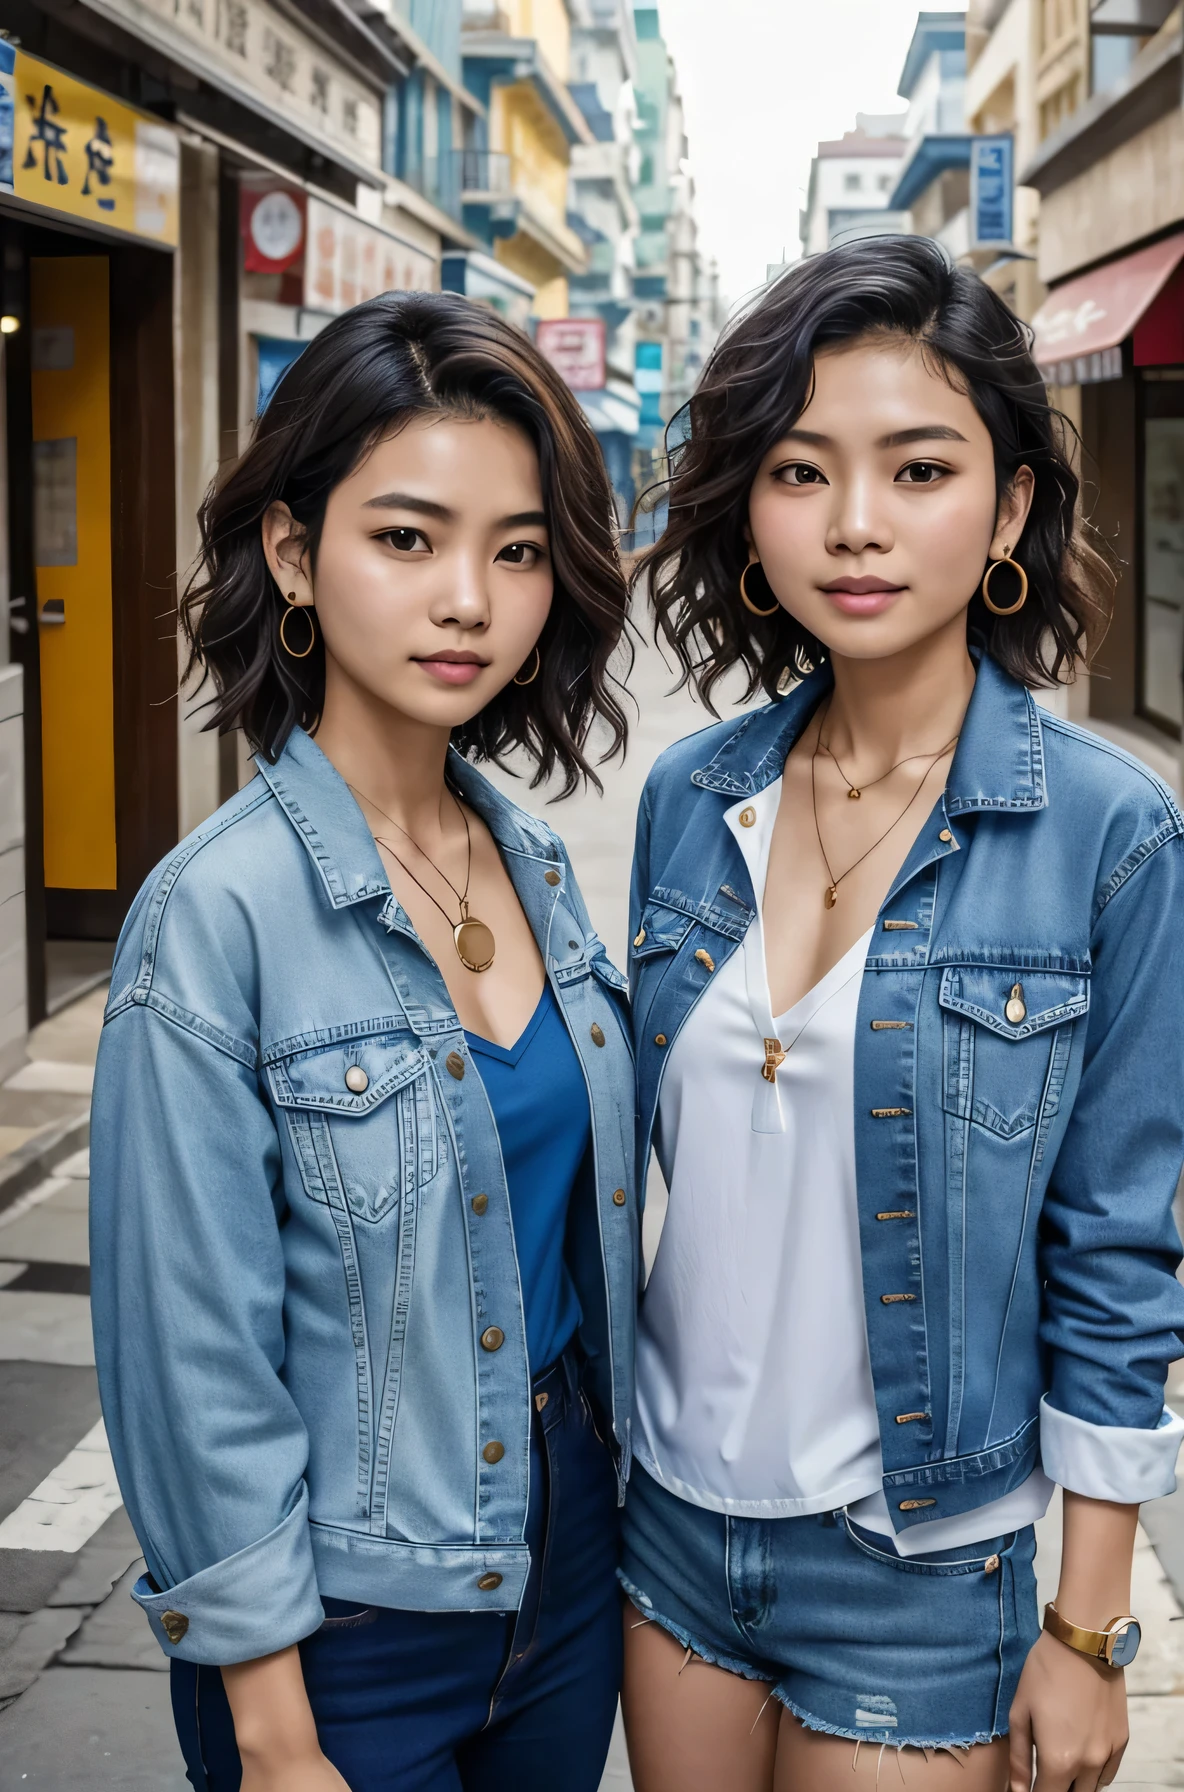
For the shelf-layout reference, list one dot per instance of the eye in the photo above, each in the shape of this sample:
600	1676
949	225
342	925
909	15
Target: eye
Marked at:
921	472
522	553
800	472
407	541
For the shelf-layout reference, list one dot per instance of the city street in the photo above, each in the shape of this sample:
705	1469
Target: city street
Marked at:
83	1687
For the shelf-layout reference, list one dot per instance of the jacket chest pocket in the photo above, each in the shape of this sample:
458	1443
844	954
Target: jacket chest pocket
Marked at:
651	953
363	1119
1005	1043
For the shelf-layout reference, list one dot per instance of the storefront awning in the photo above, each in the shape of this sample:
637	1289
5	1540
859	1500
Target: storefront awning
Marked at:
1082	325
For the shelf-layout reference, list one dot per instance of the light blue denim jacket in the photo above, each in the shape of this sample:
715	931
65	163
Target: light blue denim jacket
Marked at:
1015	1171
294	1283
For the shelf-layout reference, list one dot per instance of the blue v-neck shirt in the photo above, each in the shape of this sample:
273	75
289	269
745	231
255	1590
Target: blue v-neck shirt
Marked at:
540	1106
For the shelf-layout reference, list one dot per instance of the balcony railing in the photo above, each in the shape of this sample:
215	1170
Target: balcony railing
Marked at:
479	16
483	171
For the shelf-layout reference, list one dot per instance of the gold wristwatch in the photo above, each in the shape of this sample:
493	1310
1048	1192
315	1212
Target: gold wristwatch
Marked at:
1117	1645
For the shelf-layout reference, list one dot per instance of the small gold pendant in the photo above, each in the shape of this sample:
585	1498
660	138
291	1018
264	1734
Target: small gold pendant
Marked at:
832	895
774	1055
475	944
854	795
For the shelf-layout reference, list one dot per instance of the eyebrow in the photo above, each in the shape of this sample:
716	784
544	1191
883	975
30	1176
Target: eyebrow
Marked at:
424	507
901	438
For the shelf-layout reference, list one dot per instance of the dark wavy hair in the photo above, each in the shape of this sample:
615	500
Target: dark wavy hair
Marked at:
368	373
757	382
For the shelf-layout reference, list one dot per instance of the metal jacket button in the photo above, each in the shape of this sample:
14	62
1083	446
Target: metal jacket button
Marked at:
659	1038
619	1197
990	1565
1016	1010
705	959
492	1338
891	1299
915	1505
174	1625
356	1079
493	1451
454	1064
479	1203
597	1033
639	938
747	818
552	878
945	835
489	1583
906	1418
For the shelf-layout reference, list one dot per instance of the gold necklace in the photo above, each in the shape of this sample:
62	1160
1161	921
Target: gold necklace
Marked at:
473	939
855	791
832	888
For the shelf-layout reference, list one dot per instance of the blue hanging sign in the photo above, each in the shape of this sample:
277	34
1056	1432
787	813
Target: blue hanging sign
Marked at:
991	188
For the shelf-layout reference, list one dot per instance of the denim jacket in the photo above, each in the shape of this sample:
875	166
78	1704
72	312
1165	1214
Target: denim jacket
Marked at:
307	1313
1019	1089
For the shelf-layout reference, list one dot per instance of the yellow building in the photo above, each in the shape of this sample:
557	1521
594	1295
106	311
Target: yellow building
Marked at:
516	61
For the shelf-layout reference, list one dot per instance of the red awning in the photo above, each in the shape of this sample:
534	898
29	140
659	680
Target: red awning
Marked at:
1080	326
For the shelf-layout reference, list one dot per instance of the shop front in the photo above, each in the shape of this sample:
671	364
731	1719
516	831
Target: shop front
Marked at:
88	224
1117	333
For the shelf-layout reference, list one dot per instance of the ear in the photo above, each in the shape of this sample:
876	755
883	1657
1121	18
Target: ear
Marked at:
286	551
1012	513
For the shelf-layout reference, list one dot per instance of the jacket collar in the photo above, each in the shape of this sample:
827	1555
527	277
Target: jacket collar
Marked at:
999	763
321	807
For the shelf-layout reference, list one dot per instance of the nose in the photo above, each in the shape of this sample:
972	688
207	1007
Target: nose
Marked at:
859	523
463	599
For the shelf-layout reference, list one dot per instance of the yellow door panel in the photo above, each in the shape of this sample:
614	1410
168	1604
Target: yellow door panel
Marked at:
72	549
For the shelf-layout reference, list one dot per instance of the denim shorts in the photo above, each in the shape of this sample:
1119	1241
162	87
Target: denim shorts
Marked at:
855	1639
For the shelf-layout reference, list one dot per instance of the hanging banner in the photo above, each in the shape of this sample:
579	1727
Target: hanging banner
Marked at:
991	185
347	260
70	148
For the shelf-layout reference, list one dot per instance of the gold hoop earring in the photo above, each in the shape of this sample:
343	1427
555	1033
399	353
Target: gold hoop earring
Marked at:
290	600
538	666
1021	600
744	597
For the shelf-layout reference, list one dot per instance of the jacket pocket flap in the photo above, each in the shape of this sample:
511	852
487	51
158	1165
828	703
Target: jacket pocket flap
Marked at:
995	998
606	970
662	930
318	1079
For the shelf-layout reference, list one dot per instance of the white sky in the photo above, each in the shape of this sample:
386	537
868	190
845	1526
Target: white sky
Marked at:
763	81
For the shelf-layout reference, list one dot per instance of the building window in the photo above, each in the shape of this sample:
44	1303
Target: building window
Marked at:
1162	655
886	182
852	183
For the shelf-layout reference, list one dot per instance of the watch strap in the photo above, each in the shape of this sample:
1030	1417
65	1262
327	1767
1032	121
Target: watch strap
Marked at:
1096	1643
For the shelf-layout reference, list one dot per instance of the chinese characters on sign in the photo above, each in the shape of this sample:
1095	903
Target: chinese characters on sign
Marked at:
261	51
347	260
72	149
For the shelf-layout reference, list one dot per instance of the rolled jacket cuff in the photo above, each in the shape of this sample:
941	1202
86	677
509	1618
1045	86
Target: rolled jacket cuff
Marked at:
250	1604
1125	1463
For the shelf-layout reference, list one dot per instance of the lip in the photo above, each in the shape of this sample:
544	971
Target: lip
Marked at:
452	667
868	596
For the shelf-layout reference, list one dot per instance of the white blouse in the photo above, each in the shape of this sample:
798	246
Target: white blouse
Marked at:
754	1387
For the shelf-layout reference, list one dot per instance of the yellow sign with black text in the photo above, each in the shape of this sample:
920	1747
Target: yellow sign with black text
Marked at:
76	150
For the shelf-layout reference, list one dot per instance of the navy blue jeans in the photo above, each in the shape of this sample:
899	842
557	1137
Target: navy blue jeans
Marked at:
467	1701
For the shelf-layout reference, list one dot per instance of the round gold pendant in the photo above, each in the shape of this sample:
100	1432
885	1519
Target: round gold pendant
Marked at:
854	795
475	944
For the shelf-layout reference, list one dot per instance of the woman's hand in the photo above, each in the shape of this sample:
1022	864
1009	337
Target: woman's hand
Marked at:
1072	1711
274	1727
311	1774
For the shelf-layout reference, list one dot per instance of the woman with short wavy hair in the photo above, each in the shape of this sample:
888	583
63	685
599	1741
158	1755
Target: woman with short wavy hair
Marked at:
362	1188
907	978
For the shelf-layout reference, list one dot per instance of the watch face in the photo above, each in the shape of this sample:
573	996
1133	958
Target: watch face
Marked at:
1126	1645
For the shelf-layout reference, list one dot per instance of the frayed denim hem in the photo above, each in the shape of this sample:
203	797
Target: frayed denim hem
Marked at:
882	1738
642	1603
877	1737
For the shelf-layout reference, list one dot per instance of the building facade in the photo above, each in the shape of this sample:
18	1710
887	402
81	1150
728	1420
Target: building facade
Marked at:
852	179
933	181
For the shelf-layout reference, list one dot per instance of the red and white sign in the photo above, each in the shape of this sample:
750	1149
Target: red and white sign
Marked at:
349	260
575	347
272	224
